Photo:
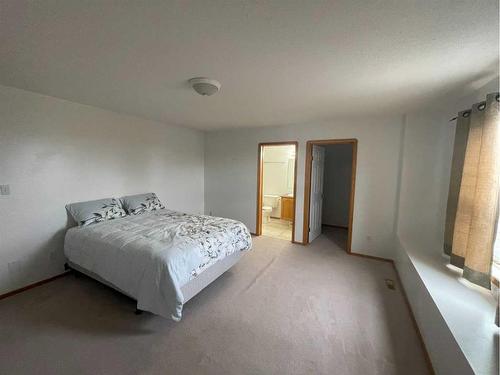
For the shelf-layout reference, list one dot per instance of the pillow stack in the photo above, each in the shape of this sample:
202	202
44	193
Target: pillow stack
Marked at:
91	212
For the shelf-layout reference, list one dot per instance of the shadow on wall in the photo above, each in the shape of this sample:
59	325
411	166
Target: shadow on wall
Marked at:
46	261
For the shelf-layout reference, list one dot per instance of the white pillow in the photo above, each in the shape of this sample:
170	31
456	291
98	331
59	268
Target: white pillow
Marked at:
90	212
140	203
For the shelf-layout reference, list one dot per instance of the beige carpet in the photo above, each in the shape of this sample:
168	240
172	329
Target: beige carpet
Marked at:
284	309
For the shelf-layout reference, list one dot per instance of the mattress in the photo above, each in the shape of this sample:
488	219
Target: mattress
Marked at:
156	257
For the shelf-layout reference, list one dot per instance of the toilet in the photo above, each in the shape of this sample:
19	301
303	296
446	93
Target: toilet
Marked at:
269	202
266	213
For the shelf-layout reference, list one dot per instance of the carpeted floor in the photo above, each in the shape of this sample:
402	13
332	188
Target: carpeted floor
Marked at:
284	309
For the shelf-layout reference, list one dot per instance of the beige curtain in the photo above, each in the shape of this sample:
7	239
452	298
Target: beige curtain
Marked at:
472	208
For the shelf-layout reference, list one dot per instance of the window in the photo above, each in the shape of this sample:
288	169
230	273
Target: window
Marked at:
495	271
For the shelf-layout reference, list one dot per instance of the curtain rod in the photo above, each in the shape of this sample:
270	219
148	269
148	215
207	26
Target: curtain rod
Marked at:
481	104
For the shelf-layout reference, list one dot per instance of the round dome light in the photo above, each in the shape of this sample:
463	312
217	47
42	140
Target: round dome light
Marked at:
205	86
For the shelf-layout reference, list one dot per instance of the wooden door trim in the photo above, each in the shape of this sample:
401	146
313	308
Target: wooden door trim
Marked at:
258	229
307	185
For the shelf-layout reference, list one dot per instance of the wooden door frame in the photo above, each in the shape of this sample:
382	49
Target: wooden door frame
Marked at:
307	184
258	229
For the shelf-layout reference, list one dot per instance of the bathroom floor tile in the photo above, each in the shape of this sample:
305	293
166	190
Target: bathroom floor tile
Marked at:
277	228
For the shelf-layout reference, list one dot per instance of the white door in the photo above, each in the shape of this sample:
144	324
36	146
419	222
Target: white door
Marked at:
316	205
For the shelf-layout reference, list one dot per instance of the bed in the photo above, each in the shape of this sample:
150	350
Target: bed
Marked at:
160	258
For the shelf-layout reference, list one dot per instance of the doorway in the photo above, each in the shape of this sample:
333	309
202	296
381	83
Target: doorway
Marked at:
330	164
276	187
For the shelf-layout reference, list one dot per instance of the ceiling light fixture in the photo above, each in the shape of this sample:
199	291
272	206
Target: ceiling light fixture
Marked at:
204	86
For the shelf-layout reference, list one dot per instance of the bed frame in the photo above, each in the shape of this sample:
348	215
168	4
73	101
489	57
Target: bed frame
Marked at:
189	290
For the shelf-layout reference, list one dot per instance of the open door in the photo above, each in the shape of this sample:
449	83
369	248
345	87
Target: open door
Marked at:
314	169
316	202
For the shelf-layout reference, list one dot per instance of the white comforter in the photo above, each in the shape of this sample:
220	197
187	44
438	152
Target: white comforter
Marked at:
152	255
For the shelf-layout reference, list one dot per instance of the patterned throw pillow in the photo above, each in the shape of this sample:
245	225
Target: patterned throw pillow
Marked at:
90	212
140	203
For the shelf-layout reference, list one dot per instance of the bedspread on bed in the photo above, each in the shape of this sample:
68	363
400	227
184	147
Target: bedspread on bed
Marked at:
151	256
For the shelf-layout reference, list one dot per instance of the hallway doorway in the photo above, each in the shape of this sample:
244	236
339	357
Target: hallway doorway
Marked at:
330	177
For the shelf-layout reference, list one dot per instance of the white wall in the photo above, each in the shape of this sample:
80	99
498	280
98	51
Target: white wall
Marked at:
53	152
337	184
231	174
428	147
456	320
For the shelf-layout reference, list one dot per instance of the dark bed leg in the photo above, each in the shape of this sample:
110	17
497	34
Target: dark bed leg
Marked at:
138	312
68	268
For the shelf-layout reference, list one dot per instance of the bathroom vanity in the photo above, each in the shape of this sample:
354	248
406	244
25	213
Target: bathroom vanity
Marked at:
287	204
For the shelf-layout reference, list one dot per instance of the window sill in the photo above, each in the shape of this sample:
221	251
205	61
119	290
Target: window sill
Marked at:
468	310
495	274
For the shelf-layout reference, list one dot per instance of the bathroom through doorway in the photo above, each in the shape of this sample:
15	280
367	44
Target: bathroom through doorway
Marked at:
277	167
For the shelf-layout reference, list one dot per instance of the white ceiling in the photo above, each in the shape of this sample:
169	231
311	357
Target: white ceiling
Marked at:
279	62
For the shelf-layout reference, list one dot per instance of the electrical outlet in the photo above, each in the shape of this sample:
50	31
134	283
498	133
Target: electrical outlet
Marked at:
4	190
